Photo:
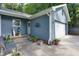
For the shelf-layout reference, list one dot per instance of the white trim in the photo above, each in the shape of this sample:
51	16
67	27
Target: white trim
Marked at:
15	26
67	16
48	14
59	6
67	13
50	28
14	13
0	25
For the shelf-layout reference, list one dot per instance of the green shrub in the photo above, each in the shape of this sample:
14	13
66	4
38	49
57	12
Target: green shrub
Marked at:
7	39
34	38
15	54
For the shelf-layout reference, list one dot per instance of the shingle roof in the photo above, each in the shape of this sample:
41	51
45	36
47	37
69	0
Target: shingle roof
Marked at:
14	13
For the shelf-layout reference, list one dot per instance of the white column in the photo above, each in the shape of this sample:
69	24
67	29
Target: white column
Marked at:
51	27
0	25
14	32
50	37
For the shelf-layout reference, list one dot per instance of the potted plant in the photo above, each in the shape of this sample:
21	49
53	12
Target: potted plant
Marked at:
7	39
56	41
14	53
39	42
34	38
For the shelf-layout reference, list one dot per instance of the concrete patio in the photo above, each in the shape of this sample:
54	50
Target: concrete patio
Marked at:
69	46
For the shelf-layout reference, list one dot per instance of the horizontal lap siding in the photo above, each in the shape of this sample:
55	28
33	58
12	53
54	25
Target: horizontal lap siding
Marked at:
42	31
6	25
0	25
23	27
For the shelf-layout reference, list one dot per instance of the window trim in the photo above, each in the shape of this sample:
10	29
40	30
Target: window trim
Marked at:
14	24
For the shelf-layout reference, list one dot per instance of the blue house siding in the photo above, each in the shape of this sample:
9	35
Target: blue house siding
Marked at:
23	26
42	29
6	25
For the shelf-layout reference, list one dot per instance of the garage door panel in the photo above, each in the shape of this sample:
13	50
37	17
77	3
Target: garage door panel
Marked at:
59	30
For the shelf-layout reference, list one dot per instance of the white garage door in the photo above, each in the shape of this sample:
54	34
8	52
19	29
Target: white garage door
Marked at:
59	30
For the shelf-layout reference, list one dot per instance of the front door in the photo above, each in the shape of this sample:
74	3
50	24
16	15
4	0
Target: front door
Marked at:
29	27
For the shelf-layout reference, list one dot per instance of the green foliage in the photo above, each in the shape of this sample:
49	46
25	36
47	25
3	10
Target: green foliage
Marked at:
34	38
15	53
13	6
30	8
74	14
57	40
7	39
36	7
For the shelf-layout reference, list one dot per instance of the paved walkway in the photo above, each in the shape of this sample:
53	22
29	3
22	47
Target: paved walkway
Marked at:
69	46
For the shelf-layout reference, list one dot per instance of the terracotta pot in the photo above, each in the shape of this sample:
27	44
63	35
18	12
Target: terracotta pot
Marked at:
34	40
56	42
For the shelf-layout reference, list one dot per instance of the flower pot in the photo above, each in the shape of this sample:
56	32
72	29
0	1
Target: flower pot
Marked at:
39	42
56	42
34	40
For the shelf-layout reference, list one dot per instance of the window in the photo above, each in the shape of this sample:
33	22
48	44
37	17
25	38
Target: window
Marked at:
16	22
29	24
37	25
16	27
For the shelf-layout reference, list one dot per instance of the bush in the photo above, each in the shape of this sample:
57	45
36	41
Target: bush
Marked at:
15	53
7	39
34	38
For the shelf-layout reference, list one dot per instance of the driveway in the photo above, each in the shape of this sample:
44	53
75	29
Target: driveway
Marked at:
69	46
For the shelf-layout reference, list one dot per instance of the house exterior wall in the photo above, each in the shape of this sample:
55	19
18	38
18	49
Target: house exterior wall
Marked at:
6	25
51	27
23	26
60	23
42	30
0	25
59	30
60	15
